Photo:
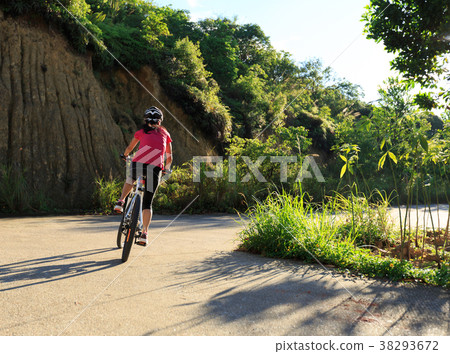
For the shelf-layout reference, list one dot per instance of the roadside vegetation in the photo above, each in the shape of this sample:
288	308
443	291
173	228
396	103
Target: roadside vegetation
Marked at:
360	241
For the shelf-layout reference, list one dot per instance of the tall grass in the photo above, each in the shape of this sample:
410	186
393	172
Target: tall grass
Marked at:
14	195
371	223
17	195
286	226
106	194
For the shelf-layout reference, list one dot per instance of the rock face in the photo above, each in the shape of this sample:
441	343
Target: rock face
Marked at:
60	125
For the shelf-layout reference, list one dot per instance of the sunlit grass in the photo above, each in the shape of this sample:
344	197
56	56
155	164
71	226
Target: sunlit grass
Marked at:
285	226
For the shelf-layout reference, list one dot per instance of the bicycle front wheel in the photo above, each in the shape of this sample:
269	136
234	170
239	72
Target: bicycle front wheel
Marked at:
122	232
131	229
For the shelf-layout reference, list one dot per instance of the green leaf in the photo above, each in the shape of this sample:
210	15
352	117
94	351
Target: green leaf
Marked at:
350	168
343	158
393	157
382	144
382	161
344	168
423	142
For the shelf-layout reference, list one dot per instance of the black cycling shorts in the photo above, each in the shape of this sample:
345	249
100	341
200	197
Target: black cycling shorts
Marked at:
152	174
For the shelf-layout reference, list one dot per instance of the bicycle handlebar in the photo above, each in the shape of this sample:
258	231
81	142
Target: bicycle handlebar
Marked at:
125	158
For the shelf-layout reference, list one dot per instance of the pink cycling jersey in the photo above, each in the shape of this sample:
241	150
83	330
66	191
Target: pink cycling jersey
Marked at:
152	146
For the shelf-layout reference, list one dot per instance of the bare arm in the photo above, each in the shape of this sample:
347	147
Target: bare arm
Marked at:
130	147
168	156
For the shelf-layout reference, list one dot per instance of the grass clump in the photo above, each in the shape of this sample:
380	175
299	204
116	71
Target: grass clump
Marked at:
366	218
286	226
106	194
17	195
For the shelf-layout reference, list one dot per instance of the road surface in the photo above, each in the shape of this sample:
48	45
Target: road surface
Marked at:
63	276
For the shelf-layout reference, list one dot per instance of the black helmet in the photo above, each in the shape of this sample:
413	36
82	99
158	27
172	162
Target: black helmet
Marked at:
153	115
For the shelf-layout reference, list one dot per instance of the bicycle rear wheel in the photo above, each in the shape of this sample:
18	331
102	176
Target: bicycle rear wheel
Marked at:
121	233
131	229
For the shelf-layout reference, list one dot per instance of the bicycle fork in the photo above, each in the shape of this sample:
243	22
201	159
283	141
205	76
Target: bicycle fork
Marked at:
140	188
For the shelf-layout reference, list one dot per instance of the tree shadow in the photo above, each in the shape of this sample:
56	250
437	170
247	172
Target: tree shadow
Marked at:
93	224
262	288
183	223
47	269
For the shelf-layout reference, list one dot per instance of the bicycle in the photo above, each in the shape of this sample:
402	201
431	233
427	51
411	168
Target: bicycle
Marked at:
131	225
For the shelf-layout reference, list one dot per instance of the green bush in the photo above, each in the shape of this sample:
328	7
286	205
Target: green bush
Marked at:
290	227
186	77
119	39
106	194
369	222
320	130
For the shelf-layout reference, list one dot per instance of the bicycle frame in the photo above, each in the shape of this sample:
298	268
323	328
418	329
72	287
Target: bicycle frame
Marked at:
132	224
138	190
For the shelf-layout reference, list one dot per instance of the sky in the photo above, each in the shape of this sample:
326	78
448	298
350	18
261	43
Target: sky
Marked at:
329	30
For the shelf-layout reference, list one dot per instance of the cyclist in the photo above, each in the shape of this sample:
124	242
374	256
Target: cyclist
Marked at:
155	143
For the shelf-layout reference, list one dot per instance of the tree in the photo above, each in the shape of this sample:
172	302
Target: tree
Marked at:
414	29
418	32
219	48
154	27
186	77
252	43
188	65
252	101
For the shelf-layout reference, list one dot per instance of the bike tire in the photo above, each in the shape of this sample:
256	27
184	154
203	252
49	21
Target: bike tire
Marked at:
131	231
120	233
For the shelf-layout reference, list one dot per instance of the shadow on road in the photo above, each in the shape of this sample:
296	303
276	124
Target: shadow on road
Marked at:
261	287
49	269
91	223
183	223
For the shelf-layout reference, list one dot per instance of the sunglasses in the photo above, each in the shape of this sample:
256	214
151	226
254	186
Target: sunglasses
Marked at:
152	120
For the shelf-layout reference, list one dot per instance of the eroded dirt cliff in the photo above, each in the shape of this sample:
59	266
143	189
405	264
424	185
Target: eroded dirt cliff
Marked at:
61	124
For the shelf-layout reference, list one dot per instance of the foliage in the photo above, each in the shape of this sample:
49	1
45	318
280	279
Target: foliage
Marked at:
189	75
13	190
286	142
284	226
396	132
320	130
413	29
154	27
399	137
372	223
417	32
257	106
119	38
106	193
220	49
219	194
17	195
187	64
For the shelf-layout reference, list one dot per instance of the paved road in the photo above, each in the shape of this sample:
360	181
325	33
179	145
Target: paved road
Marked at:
433	216
62	275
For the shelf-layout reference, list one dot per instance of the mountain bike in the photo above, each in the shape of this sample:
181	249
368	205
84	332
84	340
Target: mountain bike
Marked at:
131	224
